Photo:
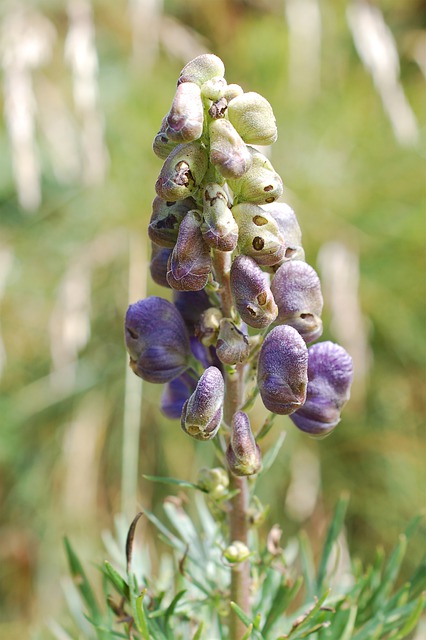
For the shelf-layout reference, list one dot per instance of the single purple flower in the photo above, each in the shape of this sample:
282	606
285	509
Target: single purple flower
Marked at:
252	294
190	263
330	373
243	454
282	372
202	413
156	339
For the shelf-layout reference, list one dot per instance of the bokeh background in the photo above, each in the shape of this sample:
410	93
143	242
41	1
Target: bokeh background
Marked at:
84	86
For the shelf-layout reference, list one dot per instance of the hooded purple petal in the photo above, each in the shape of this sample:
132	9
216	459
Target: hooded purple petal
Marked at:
190	263
252	293
243	454
175	394
158	265
202	413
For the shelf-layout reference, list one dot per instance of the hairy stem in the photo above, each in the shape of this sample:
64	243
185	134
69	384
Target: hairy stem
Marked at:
234	397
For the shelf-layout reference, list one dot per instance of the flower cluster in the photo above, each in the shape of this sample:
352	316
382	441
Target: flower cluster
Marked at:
217	194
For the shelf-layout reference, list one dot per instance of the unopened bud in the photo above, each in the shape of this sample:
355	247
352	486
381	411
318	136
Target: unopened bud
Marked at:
158	264
186	116
165	220
252	294
289	228
228	152
252	116
182	172
215	481
219	228
156	340
236	552
214	89
296	288
201	69
232	345
190	262
175	394
232	91
243	454
202	413
260	184
208	326
330	373
163	145
282	372
259	236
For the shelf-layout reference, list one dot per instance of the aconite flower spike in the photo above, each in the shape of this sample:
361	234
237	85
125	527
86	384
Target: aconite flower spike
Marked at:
252	294
243	454
158	351
202	69
282	372
260	184
219	229
252	116
186	116
296	288
182	172
232	346
259	236
289	228
190	262
165	220
330	372
228	152
202	413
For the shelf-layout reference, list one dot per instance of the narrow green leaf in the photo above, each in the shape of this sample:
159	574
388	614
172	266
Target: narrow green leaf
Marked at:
300	625
197	635
172	606
272	454
141	620
308	568
283	598
175	481
240	613
170	538
81	582
332	533
412	619
350	625
116	580
247	635
390	573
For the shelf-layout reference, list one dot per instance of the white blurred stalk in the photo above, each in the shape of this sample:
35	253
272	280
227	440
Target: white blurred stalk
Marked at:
145	17
133	391
377	49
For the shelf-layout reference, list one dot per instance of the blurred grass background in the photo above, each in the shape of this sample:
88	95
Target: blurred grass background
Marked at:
84	88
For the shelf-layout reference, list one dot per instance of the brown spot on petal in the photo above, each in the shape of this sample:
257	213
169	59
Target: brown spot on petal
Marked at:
258	243
259	221
268	188
261	298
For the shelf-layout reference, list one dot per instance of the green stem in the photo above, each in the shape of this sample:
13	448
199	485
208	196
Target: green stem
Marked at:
238	523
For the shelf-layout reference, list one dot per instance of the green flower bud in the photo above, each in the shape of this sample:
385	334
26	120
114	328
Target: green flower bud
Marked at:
232	91
201	69
215	481
236	552
259	236
252	116
228	152
190	262
182	172
243	454
207	327
214	89
186	117
163	145
289	228
165	220
219	228
232	345
260	184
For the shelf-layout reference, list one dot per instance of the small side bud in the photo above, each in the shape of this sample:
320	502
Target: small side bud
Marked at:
259	236
296	288
158	351
201	69
252	294
243	454
330	373
252	116
186	116
215	481
163	145
190	262
289	228
232	345
282	372
228	152
158	264
219	229
202	413
232	91
236	552
165	220
214	89
260	184
182	172
208	326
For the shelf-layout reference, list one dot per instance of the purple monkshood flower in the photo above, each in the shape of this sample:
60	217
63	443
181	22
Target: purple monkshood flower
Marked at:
175	394
202	413
243	454
156	339
329	380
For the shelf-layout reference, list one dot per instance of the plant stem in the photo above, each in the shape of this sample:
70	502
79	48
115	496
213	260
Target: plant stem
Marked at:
238	526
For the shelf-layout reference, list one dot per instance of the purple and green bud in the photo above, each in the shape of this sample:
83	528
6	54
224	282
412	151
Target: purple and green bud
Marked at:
207	328
236	552
330	372
158	264
202	413
190	262
259	236
219	229
163	145
232	345
228	152
282	372
214	481
156	340
260	184
182	172
175	394
165	220
186	116
243	454
296	288
252	294
202	69
252	116
289	228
